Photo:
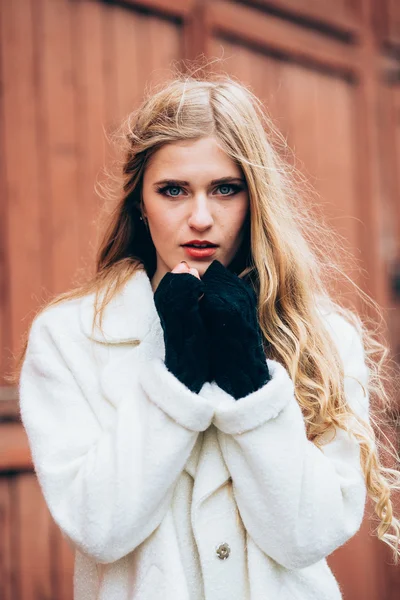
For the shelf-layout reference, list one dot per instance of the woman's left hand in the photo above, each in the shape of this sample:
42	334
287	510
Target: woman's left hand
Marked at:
229	312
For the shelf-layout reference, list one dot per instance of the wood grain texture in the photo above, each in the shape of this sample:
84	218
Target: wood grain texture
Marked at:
317	114
88	32
268	31
171	8
14	450
22	211
35	550
70	72
62	565
340	15
388	12
5	304
59	109
6	558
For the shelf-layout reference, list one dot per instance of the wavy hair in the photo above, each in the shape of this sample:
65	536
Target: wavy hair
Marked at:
290	257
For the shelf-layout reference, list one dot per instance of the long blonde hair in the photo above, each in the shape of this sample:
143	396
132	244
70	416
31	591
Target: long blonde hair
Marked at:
286	260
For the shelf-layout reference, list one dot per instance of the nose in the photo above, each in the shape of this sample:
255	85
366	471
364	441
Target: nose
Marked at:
200	215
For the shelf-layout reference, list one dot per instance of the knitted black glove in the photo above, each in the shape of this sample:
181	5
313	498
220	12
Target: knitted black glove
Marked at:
229	311
186	346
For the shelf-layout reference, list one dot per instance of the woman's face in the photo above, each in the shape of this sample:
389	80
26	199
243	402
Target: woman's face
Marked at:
192	190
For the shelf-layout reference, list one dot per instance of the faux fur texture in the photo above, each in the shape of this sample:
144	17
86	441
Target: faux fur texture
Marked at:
146	478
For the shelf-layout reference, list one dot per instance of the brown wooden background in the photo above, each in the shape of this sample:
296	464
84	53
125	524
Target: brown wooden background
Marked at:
329	72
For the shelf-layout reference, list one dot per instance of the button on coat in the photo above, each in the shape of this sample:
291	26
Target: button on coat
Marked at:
151	483
223	551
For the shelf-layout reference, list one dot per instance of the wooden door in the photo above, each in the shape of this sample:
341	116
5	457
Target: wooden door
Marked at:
70	71
314	65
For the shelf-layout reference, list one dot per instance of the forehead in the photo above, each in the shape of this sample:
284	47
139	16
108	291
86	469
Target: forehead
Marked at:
189	158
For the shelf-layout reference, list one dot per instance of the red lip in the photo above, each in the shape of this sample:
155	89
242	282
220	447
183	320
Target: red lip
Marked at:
199	242
200	252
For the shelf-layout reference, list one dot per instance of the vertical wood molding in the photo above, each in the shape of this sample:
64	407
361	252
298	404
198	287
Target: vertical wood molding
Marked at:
196	32
5	313
370	202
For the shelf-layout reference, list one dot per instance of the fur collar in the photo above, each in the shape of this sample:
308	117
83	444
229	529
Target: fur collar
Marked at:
129	316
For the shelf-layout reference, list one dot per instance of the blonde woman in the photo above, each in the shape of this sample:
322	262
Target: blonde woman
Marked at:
199	412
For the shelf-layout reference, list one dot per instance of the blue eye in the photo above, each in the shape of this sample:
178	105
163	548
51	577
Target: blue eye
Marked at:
229	186
225	187
170	188
174	189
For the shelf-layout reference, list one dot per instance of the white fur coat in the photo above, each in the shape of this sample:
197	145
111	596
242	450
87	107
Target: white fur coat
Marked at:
147	480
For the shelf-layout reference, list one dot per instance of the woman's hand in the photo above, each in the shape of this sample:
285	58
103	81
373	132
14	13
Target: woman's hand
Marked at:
229	312
186	345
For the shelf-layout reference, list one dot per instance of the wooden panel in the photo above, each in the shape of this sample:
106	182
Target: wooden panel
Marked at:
179	8
88	31
317	112
128	36
273	33
134	68
59	118
389	192
83	66
14	450
395	155
341	14
165	46
111	73
375	281
356	565
389	14
36	561
5	305
6	559
62	565
34	541
22	248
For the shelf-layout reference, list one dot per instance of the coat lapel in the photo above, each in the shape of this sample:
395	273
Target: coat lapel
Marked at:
211	472
131	333
129	316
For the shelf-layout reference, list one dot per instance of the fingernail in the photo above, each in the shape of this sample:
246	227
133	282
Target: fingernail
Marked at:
184	261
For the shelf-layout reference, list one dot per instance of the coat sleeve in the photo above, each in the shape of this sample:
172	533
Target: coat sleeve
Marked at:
297	502
107	488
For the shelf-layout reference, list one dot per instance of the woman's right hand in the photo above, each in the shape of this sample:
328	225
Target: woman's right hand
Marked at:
183	267
186	341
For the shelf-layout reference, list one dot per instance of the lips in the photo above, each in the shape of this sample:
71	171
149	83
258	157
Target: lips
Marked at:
196	252
200	243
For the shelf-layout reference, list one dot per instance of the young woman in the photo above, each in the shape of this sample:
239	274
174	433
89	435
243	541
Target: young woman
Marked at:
199	412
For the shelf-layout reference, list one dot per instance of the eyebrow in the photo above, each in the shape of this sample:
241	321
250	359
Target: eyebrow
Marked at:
213	182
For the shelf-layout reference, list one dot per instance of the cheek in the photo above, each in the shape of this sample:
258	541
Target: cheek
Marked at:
163	224
232	220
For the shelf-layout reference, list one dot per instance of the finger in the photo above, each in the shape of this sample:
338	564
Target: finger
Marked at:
194	272
182	267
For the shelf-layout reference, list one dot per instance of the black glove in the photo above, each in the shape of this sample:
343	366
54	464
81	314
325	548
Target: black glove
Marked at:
229	311
186	345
